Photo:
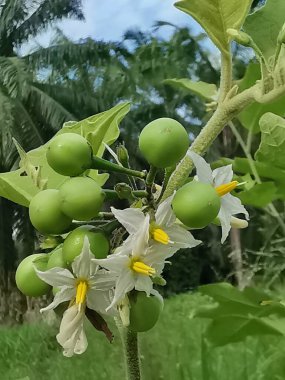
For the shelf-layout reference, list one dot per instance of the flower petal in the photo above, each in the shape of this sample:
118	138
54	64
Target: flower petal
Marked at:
63	295
156	256
115	262
164	215
233	205
230	205
71	334
203	169
99	301
130	218
223	175
181	237
56	277
143	284
140	241
125	284
81	265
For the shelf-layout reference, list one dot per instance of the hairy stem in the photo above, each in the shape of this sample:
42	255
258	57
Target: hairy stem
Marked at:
223	114
226	75
131	352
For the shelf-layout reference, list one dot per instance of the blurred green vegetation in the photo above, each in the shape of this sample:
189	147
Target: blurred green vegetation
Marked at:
174	349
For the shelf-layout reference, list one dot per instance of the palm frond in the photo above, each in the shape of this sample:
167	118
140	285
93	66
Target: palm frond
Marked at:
47	12
53	113
14	76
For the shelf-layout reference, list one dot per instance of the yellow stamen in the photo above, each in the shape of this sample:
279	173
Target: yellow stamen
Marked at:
142	268
160	236
226	188
81	291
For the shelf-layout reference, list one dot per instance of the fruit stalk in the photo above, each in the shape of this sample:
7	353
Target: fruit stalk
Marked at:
101	164
150	181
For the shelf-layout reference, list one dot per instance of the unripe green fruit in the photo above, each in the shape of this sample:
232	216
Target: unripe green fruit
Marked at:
46	215
163	142
69	154
56	259
26	278
196	204
72	246
82	198
144	311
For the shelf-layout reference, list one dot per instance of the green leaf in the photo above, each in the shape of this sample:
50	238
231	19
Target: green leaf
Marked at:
241	165
205	90
216	16
250	116
238	314
272	146
265	24
259	195
20	186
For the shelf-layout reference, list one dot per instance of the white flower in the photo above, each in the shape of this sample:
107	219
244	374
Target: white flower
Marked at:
86	286
136	262
221	179
163	229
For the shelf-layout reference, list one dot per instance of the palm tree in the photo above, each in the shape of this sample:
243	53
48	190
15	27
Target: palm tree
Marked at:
26	111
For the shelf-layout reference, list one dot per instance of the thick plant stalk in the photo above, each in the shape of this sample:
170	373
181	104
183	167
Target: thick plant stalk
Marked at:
131	352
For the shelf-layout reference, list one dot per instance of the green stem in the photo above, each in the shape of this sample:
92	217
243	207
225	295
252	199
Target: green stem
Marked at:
225	112
131	352
150	181
248	155
167	175
101	164
112	194
226	75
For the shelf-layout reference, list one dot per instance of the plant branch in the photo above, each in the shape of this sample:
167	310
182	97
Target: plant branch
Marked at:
225	112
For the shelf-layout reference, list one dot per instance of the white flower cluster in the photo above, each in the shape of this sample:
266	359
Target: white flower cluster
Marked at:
133	266
102	284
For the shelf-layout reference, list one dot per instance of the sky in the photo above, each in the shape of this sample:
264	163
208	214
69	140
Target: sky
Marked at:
109	19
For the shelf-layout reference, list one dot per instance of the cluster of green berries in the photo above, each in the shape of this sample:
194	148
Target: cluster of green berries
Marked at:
163	143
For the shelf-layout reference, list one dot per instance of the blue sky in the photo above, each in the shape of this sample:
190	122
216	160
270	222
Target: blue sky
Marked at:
109	19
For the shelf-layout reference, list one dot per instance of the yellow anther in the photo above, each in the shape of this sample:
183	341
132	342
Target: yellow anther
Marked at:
160	236
142	268
81	291
226	188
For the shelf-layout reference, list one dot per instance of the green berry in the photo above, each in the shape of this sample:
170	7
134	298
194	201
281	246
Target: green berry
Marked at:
69	154
56	259
144	311
82	198
73	244
196	204
163	142
26	278
46	215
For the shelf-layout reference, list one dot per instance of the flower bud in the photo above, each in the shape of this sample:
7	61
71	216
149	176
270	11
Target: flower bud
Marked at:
241	38
123	155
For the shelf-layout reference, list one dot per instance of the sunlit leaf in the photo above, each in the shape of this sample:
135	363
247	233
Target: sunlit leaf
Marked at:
207	91
216	16
20	187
